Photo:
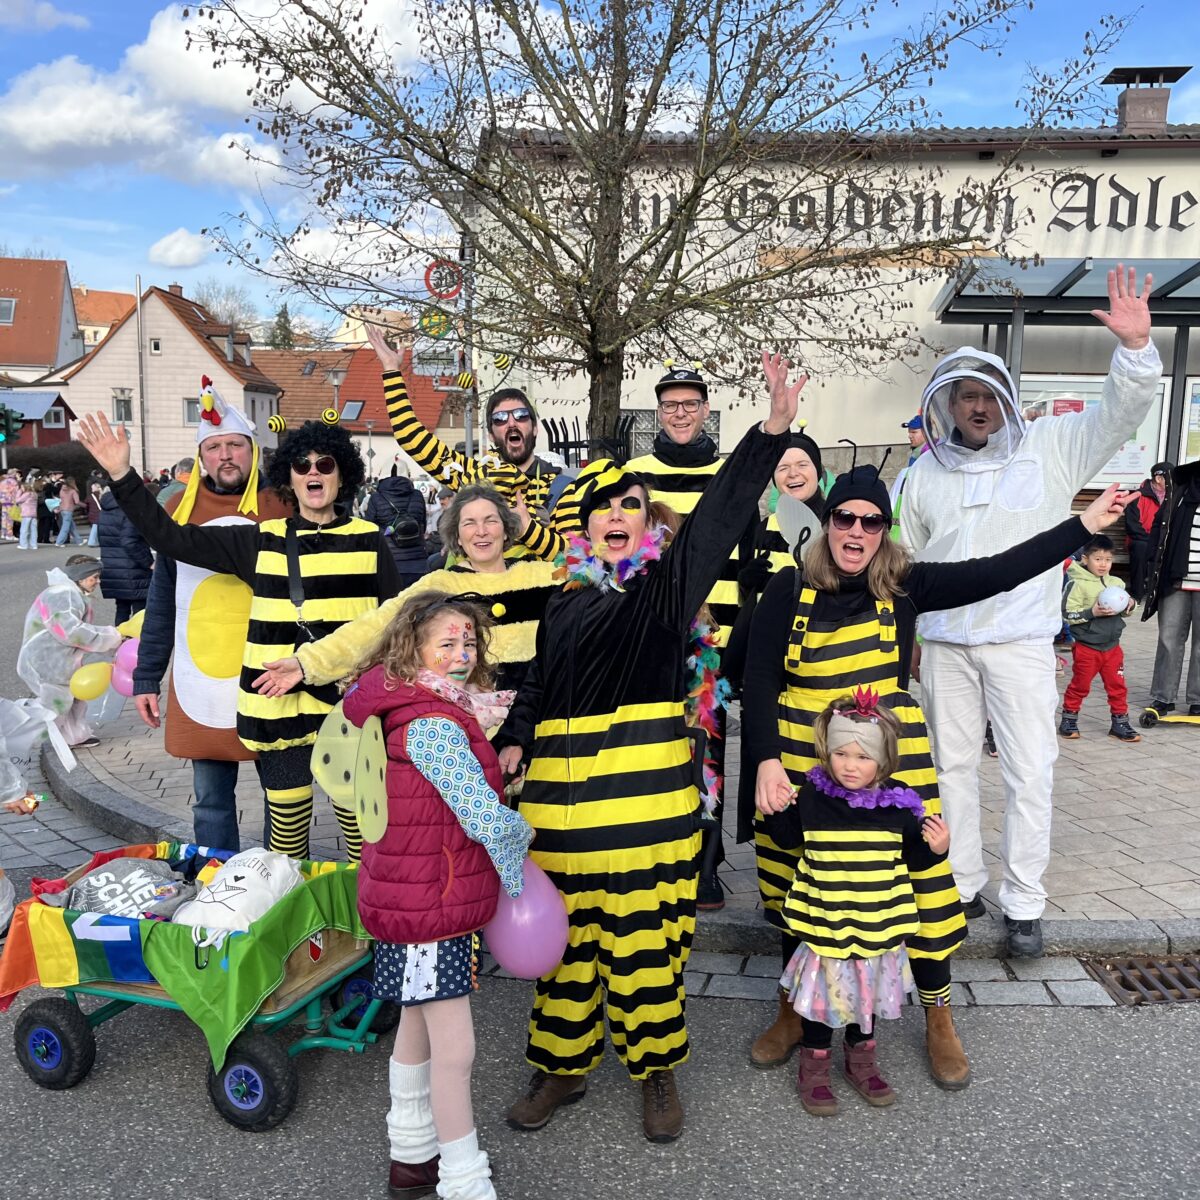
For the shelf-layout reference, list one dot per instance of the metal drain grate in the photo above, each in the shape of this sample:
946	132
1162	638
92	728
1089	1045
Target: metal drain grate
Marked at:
1172	979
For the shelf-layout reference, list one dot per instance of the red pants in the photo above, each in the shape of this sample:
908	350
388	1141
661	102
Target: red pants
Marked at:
1111	666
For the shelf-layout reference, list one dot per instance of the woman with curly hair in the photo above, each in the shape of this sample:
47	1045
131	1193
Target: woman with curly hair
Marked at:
309	575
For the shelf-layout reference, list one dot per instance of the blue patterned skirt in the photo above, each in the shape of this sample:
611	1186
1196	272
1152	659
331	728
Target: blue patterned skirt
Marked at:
418	972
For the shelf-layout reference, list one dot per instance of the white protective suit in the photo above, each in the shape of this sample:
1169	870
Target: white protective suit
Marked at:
995	659
59	638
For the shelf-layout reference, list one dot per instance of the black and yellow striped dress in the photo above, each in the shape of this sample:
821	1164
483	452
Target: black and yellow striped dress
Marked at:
611	789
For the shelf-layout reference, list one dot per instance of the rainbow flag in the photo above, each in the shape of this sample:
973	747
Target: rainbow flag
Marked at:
71	947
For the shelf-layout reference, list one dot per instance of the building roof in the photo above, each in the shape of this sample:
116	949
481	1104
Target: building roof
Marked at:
307	391
32	406
38	285
101	308
211	334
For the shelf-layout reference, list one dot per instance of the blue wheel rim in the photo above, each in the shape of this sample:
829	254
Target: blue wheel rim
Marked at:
45	1048
243	1087
358	987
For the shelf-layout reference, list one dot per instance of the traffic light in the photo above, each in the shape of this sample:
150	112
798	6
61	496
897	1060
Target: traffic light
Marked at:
10	425
3	424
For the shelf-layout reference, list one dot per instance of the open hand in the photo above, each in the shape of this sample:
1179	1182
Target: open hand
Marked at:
389	359
109	447
785	397
773	790
936	833
279	677
1106	508
1128	316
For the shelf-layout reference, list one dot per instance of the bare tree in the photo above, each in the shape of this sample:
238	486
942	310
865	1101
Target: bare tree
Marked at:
628	180
229	303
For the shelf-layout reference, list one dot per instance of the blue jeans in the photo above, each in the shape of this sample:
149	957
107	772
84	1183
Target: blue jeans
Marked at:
94	536
66	533
214	815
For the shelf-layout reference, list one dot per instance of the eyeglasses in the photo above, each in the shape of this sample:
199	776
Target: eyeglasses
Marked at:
843	519
628	504
325	465
671	407
505	415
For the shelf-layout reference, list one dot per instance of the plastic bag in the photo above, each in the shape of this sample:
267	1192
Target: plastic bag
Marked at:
24	725
8	901
245	887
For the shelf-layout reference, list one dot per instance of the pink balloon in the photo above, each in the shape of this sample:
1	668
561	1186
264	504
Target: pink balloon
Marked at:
122	681
528	935
126	657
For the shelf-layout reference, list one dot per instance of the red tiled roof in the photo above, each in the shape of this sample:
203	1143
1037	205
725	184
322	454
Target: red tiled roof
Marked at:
305	397
38	286
209	333
101	308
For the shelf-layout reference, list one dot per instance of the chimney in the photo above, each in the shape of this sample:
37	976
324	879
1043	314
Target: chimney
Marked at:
176	289
229	345
1142	106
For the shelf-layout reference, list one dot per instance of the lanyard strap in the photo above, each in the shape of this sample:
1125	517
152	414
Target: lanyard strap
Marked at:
296	582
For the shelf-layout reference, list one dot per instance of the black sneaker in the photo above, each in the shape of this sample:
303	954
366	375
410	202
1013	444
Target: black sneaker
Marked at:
86	744
1194	710
1068	727
1024	938
989	742
710	894
1122	730
974	908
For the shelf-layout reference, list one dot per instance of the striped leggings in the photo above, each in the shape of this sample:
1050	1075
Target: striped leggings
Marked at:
287	777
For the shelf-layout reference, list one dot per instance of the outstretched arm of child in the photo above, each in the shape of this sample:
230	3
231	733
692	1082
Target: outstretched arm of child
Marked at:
440	750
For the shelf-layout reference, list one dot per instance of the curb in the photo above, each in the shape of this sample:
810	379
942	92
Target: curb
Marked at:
726	932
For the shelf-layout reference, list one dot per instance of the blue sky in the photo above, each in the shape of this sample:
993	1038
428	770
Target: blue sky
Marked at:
113	138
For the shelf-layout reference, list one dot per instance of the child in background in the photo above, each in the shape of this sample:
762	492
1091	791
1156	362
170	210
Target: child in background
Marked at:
58	634
432	880
1097	646
862	838
27	499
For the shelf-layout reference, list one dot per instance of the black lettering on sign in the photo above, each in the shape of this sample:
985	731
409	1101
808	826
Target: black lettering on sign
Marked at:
1070	211
1180	204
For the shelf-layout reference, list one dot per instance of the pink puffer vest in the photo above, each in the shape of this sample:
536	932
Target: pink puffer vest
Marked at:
425	880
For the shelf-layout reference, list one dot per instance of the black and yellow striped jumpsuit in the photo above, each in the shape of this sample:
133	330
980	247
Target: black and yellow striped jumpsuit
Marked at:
611	788
808	648
346	569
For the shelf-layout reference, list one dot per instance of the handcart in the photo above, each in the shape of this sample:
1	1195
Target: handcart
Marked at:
252	1079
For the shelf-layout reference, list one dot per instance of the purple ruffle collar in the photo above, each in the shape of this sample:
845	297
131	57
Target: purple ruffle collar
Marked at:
884	797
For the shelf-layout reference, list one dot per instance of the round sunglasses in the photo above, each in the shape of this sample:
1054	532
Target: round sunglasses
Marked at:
843	519
325	465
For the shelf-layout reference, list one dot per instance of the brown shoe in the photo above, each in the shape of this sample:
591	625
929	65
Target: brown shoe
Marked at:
947	1062
777	1045
662	1114
545	1093
410	1180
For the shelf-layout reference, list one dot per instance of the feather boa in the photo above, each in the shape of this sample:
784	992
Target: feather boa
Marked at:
707	691
881	797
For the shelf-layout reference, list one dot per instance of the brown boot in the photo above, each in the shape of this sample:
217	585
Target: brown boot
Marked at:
812	1082
947	1063
545	1093
776	1046
407	1181
662	1114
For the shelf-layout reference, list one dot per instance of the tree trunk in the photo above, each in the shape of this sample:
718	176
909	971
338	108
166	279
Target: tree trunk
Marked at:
604	393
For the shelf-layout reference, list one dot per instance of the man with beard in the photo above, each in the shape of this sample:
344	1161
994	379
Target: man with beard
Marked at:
204	618
512	420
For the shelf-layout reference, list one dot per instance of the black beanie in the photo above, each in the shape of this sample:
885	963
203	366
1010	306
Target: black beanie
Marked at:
799	440
862	483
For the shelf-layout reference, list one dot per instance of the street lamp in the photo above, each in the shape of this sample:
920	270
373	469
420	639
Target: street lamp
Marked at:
370	449
336	376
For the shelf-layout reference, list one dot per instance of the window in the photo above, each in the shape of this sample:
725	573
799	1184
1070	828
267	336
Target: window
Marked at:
156	345
352	410
123	404
55	418
191	410
645	428
309	367
7	307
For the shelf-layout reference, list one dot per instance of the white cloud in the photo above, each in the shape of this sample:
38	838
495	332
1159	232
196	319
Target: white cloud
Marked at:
182	248
37	14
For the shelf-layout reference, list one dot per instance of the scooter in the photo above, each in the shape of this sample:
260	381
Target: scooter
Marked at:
1166	715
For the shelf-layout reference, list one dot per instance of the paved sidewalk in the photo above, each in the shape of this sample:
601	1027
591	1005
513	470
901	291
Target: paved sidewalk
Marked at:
1125	847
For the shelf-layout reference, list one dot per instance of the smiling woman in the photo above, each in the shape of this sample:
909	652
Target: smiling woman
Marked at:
309	574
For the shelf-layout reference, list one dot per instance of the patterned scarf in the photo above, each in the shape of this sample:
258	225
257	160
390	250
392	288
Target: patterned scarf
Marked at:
488	708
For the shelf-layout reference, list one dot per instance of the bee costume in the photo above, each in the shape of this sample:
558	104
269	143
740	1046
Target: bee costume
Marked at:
611	787
807	648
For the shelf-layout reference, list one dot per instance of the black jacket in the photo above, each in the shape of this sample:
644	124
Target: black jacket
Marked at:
395	498
125	556
1171	535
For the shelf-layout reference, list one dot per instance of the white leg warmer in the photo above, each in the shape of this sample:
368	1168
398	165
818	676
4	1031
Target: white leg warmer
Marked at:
464	1173
410	1119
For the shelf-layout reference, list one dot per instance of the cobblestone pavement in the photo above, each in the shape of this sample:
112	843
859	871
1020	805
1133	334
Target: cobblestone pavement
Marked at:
1126	836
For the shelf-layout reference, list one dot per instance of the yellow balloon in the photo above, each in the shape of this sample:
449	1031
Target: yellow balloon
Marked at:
92	681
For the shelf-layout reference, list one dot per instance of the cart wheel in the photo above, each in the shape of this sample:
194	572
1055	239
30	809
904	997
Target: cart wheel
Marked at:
1148	719
256	1088
55	1043
388	1016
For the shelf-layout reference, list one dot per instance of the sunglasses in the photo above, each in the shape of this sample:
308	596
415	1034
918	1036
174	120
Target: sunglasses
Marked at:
503	417
628	504
843	519
325	465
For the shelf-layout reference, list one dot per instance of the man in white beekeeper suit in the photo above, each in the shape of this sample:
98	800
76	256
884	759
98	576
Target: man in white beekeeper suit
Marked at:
989	482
